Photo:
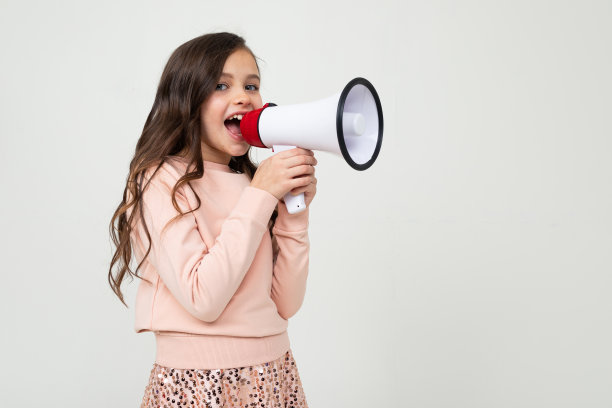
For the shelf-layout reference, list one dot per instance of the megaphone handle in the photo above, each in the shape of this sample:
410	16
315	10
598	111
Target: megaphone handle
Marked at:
294	204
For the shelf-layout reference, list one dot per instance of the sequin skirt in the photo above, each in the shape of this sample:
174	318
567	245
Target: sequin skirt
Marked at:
269	385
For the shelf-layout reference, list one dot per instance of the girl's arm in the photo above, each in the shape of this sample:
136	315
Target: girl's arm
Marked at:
203	280
289	170
291	266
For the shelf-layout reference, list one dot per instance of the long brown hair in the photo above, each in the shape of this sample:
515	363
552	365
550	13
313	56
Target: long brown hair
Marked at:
173	129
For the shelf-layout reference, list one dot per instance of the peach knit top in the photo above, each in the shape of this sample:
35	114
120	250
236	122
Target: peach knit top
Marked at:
217	297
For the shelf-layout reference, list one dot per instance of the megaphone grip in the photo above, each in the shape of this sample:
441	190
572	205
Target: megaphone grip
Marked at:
294	204
297	203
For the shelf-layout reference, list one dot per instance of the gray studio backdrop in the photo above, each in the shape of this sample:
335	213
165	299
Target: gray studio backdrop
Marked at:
469	267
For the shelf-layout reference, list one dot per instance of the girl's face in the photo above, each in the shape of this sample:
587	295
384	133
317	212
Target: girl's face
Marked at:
237	93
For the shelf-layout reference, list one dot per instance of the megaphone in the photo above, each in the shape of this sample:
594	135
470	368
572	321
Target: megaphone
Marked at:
349	123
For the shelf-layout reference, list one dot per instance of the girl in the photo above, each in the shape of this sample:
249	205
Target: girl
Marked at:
224	265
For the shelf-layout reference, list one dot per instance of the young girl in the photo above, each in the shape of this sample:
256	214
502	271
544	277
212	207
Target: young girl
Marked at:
224	265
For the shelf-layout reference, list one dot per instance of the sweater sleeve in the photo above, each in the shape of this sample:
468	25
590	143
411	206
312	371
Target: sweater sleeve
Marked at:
203	280
291	266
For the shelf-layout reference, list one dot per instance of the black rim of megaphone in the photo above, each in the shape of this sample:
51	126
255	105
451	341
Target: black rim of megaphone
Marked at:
340	131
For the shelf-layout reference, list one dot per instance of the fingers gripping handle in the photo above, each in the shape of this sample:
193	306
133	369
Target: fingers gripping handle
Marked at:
294	204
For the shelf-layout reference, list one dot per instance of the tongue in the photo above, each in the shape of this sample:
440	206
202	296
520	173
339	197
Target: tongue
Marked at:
233	126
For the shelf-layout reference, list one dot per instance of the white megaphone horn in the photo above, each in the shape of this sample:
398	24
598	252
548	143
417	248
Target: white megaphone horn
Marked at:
349	123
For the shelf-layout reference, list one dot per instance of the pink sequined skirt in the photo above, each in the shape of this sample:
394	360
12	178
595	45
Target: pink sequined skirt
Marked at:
269	385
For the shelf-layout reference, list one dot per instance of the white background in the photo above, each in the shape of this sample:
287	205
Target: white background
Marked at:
468	267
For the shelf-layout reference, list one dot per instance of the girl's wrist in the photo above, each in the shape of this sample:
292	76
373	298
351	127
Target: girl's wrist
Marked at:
258	187
291	222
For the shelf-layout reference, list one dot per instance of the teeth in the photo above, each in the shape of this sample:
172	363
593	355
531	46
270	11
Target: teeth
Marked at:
239	117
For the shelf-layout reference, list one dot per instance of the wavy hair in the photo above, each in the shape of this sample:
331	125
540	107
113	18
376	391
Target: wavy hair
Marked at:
172	128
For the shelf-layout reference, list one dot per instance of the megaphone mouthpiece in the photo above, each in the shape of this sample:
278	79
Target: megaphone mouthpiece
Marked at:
249	126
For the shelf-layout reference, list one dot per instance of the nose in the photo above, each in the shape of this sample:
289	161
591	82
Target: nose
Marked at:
242	98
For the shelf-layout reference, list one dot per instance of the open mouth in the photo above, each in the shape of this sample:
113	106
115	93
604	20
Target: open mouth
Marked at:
233	124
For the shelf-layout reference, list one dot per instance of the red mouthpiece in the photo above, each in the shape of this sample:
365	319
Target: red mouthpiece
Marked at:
249	127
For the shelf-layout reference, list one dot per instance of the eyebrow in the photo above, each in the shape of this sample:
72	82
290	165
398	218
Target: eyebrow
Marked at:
252	76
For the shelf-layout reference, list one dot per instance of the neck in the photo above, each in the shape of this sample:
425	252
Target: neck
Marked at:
209	156
215	156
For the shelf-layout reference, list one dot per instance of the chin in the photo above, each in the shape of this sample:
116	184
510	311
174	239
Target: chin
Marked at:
240	150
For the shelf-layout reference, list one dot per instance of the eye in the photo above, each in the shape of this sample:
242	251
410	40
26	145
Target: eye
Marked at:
221	87
252	88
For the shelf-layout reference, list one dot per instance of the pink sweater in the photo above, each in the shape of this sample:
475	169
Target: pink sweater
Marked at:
218	300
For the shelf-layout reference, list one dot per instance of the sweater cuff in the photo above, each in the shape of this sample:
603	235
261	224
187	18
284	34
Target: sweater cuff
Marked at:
291	222
257	204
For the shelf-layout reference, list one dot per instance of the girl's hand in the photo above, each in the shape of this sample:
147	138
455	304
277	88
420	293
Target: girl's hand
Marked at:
309	191
290	170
